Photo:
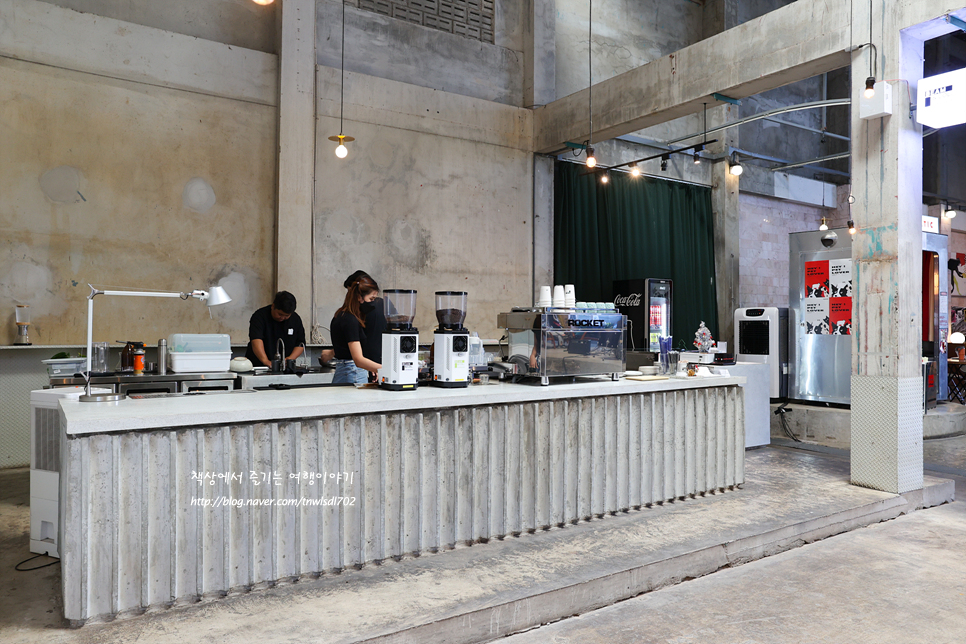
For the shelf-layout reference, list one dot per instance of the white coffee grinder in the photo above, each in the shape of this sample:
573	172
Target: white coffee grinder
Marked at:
400	341
451	357
23	321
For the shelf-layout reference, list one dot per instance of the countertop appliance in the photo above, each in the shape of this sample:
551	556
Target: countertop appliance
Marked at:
452	341
268	380
400	341
153	383
566	342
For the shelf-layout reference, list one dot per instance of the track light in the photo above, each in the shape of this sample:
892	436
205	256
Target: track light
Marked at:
950	212
635	171
851	227
664	160
869	87
591	159
824	225
736	168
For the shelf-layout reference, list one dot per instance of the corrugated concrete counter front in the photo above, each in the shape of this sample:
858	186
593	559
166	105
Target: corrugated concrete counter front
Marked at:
165	501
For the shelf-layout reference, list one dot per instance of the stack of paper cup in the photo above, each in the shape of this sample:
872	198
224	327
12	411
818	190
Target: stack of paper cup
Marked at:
570	300
558	297
544	299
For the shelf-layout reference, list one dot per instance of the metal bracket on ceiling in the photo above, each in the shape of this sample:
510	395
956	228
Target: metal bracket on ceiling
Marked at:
725	99
956	22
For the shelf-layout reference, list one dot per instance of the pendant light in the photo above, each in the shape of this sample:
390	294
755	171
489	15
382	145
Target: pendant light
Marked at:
635	170
591	159
824	225
341	150
870	81
851	227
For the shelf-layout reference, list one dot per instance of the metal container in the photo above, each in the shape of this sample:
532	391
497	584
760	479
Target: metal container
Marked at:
566	343
162	357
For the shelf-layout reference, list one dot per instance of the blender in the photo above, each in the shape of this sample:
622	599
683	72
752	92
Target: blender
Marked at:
400	341
451	355
23	321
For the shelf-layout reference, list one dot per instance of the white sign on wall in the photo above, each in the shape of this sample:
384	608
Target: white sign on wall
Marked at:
942	99
930	224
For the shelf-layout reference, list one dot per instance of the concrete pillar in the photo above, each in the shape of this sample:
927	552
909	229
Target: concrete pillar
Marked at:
886	265
539	88
542	223
724	206
296	153
720	15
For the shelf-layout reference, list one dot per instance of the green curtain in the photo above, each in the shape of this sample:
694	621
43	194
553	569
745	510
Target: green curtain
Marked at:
635	228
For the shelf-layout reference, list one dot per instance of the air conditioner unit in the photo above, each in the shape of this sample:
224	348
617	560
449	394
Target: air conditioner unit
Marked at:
761	335
45	431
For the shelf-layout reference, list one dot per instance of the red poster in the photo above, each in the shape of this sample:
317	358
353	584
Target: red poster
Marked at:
840	315
816	279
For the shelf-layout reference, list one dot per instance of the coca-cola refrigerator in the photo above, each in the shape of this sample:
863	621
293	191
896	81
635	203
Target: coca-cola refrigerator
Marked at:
647	305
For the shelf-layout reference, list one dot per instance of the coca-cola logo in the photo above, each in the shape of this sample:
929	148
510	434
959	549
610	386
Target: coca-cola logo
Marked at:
633	299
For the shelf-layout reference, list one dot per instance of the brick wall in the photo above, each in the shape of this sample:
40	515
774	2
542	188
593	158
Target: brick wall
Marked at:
764	226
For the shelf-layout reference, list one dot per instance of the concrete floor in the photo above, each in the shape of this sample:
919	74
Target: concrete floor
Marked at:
897	581
901	580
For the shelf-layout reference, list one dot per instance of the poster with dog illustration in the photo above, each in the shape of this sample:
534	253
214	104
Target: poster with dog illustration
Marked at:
816	280
816	318
840	315
840	278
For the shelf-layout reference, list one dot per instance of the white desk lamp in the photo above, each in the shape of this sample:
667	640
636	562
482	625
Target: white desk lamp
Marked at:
214	297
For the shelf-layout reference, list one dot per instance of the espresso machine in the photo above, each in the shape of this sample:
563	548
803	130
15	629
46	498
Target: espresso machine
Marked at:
451	355
400	341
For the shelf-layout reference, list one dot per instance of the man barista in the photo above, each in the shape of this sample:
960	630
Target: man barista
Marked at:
268	325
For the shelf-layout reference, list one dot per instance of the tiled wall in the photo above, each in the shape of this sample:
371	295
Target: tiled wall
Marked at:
763	228
470	18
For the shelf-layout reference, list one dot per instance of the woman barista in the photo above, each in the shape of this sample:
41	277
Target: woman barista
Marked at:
348	330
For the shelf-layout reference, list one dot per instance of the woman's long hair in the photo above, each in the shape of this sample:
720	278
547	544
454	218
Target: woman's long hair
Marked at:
361	287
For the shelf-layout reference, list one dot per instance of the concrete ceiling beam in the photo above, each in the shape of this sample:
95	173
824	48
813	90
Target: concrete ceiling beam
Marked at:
798	41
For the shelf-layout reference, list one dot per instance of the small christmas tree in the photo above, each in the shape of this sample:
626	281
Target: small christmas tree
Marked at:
702	339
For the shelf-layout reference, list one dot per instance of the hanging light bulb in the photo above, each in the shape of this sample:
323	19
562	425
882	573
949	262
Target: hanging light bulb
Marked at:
604	178
664	160
851	227
263	2
635	171
736	168
341	150
697	154
591	159
824	225
869	87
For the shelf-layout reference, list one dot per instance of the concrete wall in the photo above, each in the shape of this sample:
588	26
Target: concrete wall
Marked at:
232	22
436	194
96	174
764	227
384	47
626	34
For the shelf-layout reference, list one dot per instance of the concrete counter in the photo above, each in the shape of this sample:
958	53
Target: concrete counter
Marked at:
166	501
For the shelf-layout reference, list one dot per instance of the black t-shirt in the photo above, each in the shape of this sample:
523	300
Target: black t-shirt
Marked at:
345	328
375	325
263	327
